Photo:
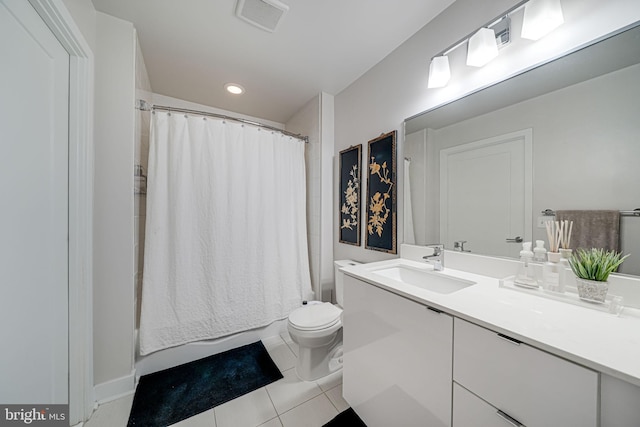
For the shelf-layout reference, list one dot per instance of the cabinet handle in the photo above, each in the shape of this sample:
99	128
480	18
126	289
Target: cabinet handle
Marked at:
434	310
509	339
512	421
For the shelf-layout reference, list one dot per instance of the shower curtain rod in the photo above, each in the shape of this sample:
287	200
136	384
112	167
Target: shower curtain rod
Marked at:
144	106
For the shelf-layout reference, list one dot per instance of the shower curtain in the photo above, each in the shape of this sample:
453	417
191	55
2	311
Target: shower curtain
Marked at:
409	233
226	240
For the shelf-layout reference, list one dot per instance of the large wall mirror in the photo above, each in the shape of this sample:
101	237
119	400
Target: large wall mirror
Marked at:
561	136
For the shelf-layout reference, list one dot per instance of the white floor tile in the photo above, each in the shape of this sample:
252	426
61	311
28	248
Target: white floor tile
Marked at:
205	419
272	342
335	396
314	413
280	352
272	423
330	381
290	391
285	335
249	410
287	339
112	414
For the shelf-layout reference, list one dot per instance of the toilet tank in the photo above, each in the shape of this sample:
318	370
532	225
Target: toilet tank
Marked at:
339	276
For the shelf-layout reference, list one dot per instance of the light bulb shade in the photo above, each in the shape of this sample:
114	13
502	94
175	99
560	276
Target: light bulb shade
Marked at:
482	47
540	18
439	72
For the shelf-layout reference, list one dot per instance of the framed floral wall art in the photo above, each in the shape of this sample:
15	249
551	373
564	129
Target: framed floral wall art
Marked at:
381	194
350	176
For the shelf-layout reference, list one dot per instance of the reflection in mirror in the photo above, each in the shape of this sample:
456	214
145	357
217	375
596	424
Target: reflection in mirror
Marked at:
562	136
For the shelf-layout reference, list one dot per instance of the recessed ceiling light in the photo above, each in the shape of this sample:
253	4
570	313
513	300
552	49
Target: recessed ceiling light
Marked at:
234	88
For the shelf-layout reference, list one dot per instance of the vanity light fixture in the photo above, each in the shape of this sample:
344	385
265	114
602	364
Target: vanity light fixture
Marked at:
540	18
482	47
439	72
234	88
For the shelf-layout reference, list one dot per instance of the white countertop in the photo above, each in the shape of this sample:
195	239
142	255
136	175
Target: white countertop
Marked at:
599	340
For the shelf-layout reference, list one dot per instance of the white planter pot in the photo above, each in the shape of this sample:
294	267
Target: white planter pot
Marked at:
590	290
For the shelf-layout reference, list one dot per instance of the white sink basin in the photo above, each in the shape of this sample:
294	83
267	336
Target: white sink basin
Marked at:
434	281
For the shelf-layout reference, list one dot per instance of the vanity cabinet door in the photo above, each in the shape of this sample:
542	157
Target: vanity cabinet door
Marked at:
619	402
534	387
471	411
397	358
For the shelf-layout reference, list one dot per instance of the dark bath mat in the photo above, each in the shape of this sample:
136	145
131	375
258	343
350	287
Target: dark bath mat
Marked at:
347	418
175	394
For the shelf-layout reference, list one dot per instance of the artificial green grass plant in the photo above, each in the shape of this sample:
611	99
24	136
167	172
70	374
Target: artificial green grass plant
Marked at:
595	264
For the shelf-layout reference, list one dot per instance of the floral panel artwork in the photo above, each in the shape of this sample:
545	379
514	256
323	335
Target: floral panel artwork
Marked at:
381	194
350	195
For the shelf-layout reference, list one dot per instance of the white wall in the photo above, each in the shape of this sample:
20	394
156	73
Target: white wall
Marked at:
113	307
396	87
113	44
84	15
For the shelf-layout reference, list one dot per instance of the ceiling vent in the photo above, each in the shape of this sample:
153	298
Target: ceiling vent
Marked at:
264	14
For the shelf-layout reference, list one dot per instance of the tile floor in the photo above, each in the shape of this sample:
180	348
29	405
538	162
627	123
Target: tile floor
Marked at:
288	402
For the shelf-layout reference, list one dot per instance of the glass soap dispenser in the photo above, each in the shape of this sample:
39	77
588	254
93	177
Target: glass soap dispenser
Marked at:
539	252
526	272
551	273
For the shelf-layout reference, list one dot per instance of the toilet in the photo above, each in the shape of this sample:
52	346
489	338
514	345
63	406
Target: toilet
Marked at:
317	329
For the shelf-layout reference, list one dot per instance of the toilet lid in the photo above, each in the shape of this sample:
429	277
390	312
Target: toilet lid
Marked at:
318	316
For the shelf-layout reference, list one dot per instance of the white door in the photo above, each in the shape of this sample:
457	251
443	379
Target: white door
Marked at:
34	91
485	194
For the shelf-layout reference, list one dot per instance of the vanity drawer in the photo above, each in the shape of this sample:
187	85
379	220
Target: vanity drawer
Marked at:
471	411
535	387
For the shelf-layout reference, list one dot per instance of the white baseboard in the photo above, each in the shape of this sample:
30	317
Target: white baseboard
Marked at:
115	389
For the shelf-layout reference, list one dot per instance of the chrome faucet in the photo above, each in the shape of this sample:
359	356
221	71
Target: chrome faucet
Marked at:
437	258
458	246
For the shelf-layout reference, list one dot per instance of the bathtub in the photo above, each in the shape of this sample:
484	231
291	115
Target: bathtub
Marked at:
174	356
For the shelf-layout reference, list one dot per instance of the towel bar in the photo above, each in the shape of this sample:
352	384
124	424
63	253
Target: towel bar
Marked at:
635	212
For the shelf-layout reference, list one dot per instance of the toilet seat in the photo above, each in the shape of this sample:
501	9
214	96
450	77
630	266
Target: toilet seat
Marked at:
315	317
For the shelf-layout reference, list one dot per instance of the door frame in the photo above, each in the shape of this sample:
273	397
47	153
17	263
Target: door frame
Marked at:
81	62
527	136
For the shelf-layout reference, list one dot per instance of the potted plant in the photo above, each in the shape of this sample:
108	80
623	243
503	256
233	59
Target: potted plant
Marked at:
592	268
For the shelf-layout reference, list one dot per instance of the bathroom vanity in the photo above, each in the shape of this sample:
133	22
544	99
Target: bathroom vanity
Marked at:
471	353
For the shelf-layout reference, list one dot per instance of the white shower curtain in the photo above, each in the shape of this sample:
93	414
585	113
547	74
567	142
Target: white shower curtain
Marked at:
226	240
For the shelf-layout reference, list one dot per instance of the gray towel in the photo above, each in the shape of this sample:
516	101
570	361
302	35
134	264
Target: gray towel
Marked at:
593	229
